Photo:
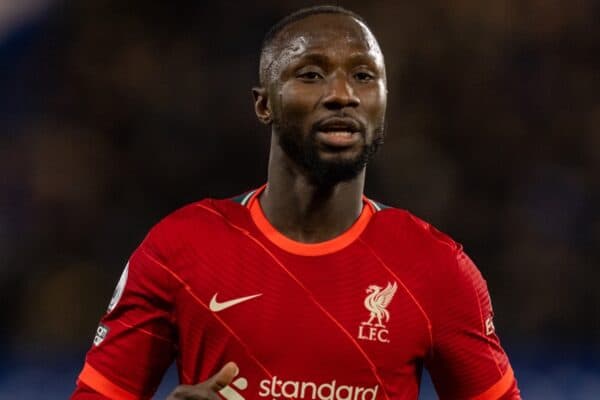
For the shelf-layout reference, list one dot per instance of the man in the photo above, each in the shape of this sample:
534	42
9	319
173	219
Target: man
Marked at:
303	288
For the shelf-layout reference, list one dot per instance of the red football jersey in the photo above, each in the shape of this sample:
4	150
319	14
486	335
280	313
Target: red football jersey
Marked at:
353	318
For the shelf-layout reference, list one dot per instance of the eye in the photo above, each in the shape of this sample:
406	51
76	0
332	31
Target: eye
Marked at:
364	76
309	76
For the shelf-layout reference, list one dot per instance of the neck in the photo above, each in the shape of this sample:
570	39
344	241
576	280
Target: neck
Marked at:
304	211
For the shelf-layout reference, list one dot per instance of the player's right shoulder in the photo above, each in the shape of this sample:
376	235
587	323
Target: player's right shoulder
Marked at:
205	214
197	225
192	213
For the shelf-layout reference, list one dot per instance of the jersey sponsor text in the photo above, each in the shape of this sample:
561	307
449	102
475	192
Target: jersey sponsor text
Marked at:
276	388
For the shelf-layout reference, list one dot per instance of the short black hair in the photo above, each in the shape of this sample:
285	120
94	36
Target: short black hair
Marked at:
301	14
297	16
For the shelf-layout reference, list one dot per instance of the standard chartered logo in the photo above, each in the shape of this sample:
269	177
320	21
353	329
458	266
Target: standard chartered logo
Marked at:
276	388
280	389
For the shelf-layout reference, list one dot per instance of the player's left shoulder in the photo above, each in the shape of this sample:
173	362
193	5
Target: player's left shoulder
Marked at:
401	236
399	225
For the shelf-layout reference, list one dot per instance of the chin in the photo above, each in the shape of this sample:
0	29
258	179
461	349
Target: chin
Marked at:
327	166
328	171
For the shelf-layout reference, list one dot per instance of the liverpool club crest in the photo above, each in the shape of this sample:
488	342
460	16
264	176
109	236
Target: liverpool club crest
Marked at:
376	303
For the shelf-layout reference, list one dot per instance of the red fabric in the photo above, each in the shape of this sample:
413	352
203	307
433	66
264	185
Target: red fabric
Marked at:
307	331
84	392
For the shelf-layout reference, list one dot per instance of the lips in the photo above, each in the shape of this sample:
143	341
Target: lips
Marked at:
337	124
339	132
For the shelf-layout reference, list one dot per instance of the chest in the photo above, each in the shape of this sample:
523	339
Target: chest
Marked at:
346	316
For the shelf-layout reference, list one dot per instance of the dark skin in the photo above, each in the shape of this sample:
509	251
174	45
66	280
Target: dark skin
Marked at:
325	86
208	389
329	65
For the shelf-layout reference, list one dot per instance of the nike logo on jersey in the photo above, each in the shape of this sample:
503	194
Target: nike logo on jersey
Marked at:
217	306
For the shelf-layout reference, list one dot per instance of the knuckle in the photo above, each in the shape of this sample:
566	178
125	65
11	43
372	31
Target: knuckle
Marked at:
180	392
203	391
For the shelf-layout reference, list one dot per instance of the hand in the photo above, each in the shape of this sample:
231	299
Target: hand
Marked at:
208	389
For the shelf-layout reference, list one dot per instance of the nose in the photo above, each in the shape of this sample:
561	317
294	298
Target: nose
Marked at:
340	93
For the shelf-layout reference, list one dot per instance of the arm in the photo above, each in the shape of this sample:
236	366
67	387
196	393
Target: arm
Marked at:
206	390
135	340
84	392
467	360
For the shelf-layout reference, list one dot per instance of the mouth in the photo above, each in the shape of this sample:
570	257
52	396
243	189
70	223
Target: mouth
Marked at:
339	132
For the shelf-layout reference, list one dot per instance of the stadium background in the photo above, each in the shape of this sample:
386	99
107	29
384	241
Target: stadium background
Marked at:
114	113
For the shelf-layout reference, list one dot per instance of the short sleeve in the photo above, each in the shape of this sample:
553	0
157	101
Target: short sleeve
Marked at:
467	360
135	340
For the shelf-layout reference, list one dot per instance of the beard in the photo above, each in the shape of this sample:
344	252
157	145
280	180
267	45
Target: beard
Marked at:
303	150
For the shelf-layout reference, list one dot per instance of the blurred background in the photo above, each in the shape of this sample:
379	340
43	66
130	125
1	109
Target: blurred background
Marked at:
113	114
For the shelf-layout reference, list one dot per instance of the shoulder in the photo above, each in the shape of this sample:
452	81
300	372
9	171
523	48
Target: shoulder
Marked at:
192	225
419	248
452	267
430	262
399	227
172	248
198	215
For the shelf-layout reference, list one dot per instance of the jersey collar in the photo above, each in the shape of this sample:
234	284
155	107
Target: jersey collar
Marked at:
306	249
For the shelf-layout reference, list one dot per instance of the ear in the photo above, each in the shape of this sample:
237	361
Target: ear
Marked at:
261	105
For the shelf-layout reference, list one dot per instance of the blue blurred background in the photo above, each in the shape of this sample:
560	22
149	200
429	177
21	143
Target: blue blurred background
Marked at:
114	113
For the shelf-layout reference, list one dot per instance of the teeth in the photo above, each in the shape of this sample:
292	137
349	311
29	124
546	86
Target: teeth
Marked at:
340	133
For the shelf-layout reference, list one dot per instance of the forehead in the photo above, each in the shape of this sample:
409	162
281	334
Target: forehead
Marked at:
327	33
